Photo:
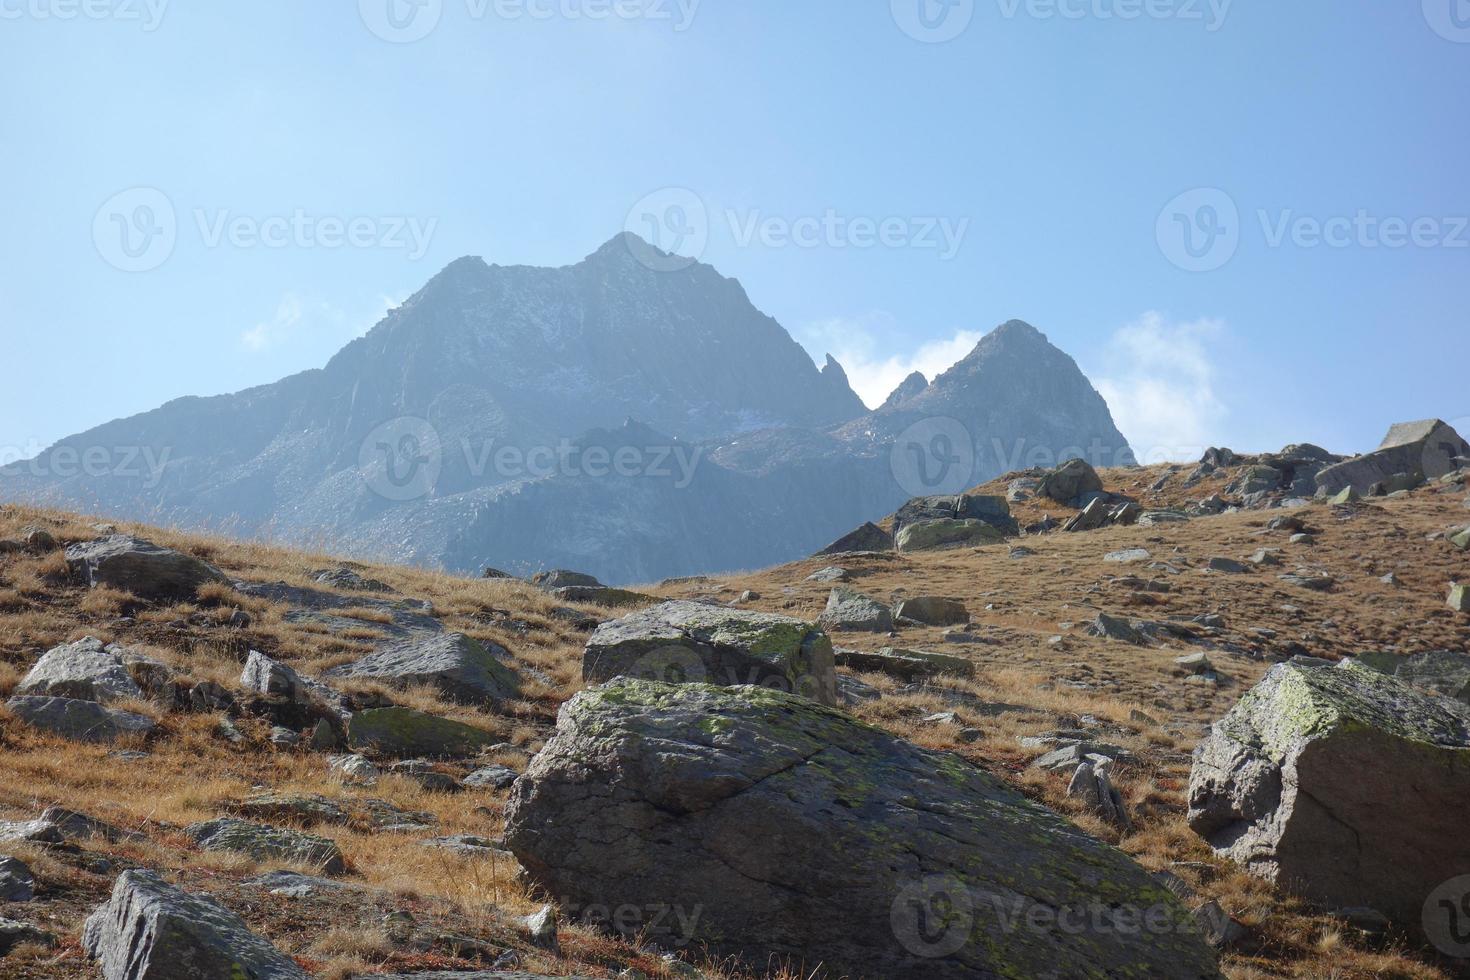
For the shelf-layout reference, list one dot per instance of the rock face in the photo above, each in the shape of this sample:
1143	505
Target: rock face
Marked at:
1293	783
459	666
854	612
799	832
140	567
405	733
1427	449
80	721
686	642
87	670
150	930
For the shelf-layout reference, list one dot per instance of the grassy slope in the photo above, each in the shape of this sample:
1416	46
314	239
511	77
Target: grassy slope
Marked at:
1017	607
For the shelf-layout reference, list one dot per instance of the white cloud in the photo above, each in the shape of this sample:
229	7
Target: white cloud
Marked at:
873	371
1159	381
294	315
268	333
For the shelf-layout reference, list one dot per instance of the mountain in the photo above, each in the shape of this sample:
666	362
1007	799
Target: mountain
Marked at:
633	415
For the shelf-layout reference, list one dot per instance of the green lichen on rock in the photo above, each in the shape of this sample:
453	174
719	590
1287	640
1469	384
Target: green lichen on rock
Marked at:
407	733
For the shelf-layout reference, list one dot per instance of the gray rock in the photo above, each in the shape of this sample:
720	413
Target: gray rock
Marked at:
1069	481
468	845
1415	449
270	677
266	843
906	665
1292	784
1445	672
13	934
944	535
541	928
17	883
561	579
1092	517
80	721
1116	628
932	611
799	832
961	508
1307	580
1228	566
690	642
1220	930
832	574
851	611
87	670
1127	556
1092	785
150	930
1266	556
350	580
406	733
140	567
1459	599
491	777
462	668
1156	518
869	537
355	768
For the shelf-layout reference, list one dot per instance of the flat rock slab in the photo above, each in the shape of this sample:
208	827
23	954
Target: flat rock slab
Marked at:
1293	784
406	616
932	611
944	535
907	665
797	831
87	670
141	567
265	843
691	642
405	733
462	668
80	721
150	930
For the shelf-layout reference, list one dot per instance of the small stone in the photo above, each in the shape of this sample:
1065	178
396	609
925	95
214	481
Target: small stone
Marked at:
1219	929
284	738
1304	539
1228	566
491	777
1127	557
542	928
1459	599
17	883
13	934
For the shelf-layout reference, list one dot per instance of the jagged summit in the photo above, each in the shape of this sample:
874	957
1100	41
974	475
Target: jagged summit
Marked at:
907	388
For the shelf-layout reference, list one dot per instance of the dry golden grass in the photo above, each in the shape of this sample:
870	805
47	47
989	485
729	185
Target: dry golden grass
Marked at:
1016	607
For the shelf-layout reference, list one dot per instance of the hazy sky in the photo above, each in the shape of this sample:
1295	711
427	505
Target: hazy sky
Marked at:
1247	221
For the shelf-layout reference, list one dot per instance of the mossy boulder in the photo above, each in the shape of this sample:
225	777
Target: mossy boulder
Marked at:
769	827
266	843
945	534
907	665
690	642
406	733
1340	784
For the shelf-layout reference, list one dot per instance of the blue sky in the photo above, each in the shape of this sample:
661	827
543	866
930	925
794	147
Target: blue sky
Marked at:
1045	163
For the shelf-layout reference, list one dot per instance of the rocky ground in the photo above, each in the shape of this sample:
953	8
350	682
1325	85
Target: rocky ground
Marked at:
345	790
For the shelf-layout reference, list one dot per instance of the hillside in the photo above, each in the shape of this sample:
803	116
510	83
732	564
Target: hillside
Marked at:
402	907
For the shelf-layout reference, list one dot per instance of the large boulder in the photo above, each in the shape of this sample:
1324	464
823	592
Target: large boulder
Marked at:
947	534
869	537
1445	672
851	611
987	509
928	610
406	733
150	930
1426	449
88	670
907	665
77	720
140	567
692	642
561	578
266	843
461	667
799	833
1070	481
1294	781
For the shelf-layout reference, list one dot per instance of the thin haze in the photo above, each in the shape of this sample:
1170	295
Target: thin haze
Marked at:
1142	189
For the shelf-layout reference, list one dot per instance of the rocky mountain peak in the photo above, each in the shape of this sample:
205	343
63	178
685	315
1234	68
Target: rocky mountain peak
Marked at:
908	388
